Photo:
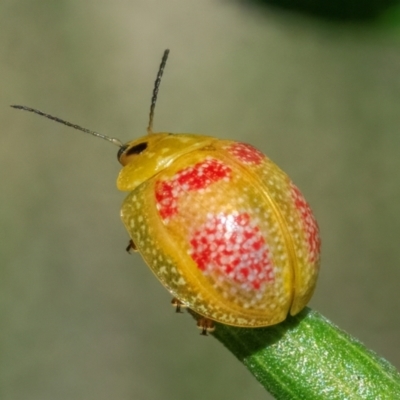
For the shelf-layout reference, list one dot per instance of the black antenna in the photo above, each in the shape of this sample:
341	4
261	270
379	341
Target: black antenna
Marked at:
155	91
61	121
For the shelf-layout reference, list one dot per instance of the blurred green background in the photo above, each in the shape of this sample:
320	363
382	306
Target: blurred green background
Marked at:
81	319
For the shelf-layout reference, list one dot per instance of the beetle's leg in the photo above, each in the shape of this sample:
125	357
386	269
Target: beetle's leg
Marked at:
131	246
178	304
206	325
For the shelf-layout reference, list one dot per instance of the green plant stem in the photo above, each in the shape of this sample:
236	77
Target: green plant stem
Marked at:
308	357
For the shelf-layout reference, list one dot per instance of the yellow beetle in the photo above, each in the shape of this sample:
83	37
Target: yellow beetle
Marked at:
220	225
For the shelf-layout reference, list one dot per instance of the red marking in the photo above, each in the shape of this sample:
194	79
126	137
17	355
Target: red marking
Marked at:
233	246
165	199
202	175
246	153
309	224
196	177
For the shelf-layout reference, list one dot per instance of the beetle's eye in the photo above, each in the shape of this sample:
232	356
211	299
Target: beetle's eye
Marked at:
137	149
126	151
121	150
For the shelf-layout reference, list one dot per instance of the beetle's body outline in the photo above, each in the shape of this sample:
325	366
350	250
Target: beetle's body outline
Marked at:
174	214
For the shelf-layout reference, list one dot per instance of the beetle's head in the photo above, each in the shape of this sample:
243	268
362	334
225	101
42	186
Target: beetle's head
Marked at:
145	157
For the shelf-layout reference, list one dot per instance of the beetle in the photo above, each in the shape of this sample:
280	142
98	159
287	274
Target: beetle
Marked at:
222	227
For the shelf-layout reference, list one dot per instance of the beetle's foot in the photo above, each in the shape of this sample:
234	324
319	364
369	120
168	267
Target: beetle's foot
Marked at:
206	325
178	304
131	246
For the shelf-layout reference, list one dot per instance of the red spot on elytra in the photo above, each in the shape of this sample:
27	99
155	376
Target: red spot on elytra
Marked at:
196	177
166	199
310	225
232	247
246	153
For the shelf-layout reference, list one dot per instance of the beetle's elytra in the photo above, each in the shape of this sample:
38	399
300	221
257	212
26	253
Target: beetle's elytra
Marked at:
221	226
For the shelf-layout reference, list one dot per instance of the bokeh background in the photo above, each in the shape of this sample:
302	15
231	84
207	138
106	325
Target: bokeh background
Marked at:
81	319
